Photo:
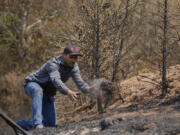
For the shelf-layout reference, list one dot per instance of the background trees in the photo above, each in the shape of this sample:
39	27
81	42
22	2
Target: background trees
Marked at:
105	33
160	37
118	38
22	24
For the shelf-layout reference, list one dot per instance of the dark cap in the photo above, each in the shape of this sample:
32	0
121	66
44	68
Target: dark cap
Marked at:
72	50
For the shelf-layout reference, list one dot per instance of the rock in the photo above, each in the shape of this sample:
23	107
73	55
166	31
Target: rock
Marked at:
105	123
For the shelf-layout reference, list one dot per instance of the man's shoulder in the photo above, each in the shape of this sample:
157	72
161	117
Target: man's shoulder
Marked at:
56	60
76	67
54	63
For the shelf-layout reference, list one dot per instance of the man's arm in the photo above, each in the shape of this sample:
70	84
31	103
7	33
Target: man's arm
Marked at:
56	80
83	86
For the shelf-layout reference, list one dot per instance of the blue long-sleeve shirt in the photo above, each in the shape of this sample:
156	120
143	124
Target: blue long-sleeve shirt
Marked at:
55	73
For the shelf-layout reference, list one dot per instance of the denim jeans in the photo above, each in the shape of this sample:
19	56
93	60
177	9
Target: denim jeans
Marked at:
43	108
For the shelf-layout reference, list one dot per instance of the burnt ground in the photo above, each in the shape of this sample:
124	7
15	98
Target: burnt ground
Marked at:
143	111
138	119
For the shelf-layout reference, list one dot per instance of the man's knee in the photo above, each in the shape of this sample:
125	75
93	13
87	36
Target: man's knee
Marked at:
39	90
33	88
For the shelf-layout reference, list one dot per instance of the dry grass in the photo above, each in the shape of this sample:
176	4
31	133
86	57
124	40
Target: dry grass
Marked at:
13	100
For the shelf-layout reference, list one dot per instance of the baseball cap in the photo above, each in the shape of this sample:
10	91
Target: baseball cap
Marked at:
72	50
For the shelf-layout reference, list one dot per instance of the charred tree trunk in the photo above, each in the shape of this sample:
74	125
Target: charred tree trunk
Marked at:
164	51
97	43
117	61
118	57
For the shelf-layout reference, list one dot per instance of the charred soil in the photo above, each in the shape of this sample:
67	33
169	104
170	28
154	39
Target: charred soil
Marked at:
143	111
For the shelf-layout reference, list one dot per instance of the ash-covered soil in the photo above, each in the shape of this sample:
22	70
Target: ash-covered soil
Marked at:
141	112
163	119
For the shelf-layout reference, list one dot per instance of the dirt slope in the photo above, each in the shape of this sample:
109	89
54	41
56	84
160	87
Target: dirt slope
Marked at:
142	112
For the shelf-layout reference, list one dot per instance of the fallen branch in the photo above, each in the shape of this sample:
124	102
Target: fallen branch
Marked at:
11	123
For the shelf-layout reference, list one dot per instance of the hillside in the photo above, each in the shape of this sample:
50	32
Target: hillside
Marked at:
118	40
142	112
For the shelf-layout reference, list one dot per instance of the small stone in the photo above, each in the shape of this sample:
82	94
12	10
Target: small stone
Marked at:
105	123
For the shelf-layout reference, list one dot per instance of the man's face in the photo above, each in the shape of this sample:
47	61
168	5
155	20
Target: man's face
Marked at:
70	60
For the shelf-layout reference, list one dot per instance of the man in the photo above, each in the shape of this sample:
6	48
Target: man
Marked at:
41	86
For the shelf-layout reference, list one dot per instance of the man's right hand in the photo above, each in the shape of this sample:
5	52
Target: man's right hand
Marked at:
72	95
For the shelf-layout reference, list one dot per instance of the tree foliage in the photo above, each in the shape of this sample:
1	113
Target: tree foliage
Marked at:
117	38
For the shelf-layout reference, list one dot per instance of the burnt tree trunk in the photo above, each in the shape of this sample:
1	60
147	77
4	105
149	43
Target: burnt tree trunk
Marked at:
164	51
121	45
97	43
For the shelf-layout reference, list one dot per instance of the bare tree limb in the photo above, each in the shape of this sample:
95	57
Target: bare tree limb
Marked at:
43	19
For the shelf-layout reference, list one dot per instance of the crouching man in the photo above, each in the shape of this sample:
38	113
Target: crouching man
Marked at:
42	85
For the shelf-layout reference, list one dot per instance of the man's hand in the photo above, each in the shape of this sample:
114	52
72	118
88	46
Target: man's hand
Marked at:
72	95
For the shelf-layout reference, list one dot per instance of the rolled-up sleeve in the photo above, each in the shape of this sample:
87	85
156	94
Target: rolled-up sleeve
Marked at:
56	78
83	86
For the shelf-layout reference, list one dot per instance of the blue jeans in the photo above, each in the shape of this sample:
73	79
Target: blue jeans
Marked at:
43	108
